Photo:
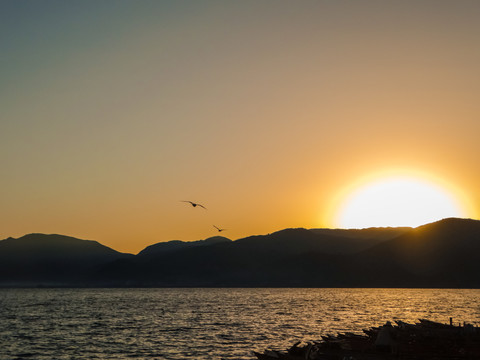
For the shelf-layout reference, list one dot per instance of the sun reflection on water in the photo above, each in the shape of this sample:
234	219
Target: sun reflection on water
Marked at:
205	323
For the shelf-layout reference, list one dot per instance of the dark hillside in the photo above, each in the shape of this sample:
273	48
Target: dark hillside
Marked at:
41	258
177	245
441	254
445	253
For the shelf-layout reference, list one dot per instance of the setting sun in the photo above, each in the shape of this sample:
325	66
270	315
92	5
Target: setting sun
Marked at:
397	201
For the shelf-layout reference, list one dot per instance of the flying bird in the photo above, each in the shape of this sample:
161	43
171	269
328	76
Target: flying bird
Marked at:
219	230
194	204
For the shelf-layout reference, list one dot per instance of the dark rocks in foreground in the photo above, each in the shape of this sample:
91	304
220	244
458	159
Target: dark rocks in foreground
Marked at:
425	340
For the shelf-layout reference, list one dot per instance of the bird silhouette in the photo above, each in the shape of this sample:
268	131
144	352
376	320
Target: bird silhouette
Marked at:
219	230
194	204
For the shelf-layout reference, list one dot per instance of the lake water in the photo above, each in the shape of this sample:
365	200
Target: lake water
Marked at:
204	323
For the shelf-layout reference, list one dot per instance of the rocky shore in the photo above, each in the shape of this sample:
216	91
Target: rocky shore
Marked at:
424	340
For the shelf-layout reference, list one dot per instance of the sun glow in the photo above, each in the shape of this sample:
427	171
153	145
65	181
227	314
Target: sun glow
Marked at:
397	201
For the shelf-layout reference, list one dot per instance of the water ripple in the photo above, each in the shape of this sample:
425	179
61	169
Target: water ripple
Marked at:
204	323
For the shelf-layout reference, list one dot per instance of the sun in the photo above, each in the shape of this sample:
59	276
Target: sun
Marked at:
397	201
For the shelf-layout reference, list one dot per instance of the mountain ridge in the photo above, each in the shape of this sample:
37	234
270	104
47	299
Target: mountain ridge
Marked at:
178	245
439	254
51	259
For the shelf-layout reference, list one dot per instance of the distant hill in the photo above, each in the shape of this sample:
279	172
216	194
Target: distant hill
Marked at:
328	241
51	259
261	260
177	245
318	258
374	234
445	253
441	254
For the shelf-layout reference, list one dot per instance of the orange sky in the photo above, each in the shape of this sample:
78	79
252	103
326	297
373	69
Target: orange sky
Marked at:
113	112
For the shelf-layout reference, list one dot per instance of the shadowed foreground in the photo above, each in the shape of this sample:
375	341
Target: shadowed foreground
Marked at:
425	340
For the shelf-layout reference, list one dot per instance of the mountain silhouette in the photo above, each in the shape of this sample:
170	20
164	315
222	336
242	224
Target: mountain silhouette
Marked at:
178	245
375	234
51	259
445	253
261	260
329	241
441	254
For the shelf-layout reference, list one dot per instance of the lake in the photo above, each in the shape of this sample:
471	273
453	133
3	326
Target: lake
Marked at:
204	323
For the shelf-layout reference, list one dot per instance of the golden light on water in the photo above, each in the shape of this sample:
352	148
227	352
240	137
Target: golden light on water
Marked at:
398	201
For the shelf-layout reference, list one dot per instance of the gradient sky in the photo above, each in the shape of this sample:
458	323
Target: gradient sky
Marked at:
114	111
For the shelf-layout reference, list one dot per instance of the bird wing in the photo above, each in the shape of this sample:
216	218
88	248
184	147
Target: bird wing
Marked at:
193	204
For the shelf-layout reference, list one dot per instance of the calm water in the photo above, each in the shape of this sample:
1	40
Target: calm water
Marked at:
203	323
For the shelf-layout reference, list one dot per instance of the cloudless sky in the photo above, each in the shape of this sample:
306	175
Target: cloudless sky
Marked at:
113	111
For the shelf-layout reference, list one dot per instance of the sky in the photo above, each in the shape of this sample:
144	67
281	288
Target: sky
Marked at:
265	112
